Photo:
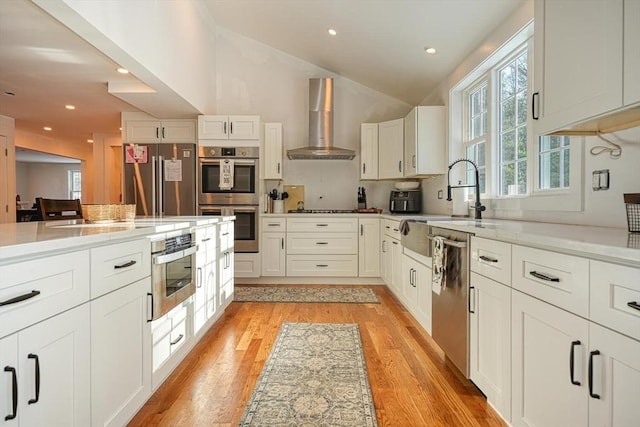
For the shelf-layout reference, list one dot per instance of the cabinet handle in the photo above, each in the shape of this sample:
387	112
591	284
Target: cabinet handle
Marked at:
224	128
633	304
572	362
534	114
37	360
591	393
362	229
411	276
125	265
400	166
20	298
387	227
322	265
163	136
364	168
396	229
177	340
230	127
273	224
282	242
322	243
487	259
14	392
395	243
225	234
206	239
543	276
472	290
278	167
199	285
150	295
157	133
413	161
383	250
322	225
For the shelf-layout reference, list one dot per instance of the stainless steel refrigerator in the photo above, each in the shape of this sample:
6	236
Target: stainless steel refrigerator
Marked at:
160	178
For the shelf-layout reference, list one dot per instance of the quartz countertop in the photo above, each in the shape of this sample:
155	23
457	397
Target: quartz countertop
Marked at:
609	244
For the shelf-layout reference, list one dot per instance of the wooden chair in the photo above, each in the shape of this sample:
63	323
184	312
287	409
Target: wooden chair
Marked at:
55	209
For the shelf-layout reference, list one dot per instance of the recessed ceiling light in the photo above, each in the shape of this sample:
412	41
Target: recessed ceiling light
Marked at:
90	141
70	107
123	71
47	128
430	50
332	31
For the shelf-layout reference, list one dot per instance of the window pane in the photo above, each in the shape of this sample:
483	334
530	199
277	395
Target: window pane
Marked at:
507	177
477	127
508	81
553	155
522	176
508	114
522	142
565	161
521	67
480	157
508	147
522	108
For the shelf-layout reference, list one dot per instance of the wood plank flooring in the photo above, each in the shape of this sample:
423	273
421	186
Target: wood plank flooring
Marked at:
411	383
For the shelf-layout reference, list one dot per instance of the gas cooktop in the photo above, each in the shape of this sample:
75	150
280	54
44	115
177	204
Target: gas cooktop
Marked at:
323	211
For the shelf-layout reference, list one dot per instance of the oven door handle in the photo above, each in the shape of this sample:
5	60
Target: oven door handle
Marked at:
163	259
210	161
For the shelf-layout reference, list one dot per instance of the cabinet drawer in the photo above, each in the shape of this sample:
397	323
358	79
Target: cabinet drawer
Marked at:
491	259
274	224
53	284
559	279
322	266
115	266
325	243
613	288
392	228
323	225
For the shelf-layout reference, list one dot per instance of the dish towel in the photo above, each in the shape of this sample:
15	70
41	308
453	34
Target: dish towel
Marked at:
226	175
439	257
404	227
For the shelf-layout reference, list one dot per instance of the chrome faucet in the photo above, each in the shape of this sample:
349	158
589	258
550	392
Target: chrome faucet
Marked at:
477	206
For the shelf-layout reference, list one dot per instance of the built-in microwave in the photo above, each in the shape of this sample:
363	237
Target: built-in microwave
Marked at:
245	175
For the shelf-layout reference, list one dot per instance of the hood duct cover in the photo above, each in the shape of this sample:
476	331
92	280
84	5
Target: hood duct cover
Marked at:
320	145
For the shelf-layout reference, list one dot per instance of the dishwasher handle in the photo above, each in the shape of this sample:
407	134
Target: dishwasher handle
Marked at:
449	242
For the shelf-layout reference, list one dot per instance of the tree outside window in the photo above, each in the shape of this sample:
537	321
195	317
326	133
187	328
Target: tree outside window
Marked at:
553	159
477	105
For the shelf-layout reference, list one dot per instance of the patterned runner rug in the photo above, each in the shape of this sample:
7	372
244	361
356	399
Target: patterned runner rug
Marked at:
306	294
315	376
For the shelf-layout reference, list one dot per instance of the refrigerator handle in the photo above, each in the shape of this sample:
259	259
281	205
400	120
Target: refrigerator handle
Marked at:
160	185
153	184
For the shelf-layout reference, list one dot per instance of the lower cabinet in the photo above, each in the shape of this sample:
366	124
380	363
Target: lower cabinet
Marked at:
274	254
369	247
170	334
490	341
395	274
225	264
120	354
416	290
50	364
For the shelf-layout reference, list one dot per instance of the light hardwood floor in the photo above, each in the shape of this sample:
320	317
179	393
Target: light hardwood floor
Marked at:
411	383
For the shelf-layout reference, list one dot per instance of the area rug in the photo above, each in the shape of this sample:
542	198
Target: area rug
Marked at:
305	294
315	376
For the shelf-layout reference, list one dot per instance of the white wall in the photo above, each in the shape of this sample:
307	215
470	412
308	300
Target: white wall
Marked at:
253	78
48	180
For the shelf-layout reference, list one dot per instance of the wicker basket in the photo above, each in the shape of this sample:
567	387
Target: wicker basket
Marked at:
632	201
127	213
100	213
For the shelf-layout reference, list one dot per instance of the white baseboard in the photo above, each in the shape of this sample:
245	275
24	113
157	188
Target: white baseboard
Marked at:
309	281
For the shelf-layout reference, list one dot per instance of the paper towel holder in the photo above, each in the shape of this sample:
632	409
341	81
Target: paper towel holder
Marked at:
477	206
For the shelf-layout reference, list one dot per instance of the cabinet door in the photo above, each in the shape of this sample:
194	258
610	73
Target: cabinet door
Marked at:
178	131
631	85
120	354
369	151
581	44
369	247
213	127
244	127
543	337
616	378
391	149
272	158
490	341
9	374
423	277
410	142
396	266
59	349
408	289
273	254
142	131
385	260
430	143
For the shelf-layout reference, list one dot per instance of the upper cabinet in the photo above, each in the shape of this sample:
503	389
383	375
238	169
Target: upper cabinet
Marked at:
229	127
272	151
391	149
583	79
369	151
424	142
154	131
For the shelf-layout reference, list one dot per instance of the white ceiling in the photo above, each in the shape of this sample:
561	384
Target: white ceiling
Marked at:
380	44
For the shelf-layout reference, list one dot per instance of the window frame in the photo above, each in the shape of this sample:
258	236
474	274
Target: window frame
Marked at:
71	181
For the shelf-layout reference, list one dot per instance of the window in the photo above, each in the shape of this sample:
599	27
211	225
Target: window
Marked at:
75	184
476	106
553	162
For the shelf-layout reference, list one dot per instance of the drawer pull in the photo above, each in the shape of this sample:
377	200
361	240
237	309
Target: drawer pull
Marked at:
206	239
572	362
633	304
273	224
322	243
37	360
151	305
125	265
14	392
20	298
322	265
591	393
322	225
543	276
487	259
177	340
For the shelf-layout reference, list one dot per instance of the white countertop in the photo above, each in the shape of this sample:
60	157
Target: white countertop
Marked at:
611	244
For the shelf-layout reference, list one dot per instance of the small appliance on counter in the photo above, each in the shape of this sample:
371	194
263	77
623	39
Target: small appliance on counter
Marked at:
408	201
362	198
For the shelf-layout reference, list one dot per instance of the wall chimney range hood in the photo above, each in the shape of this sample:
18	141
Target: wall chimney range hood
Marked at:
320	146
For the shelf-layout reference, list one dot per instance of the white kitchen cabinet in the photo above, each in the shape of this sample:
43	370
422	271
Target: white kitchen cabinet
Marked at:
53	372
392	255
391	149
369	151
384	245
631	54
543	338
114	266
322	225
579	61
155	131
272	151
9	415
120	354
225	264
274	254
424	141
490	341
369	247
206	238
396	266
416	290
322	243
228	127
322	265
171	337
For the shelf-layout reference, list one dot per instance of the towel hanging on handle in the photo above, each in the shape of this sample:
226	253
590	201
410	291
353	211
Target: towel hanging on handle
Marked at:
439	257
226	174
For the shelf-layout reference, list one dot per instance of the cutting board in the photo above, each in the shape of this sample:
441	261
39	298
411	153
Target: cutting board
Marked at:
296	194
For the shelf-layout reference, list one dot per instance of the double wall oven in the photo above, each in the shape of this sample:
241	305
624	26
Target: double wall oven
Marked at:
228	185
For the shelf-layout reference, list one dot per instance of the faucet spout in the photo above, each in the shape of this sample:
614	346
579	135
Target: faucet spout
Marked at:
478	207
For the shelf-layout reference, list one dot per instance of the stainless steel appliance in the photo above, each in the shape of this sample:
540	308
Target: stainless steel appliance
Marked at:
245	175
240	199
405	201
415	237
160	178
173	267
450	314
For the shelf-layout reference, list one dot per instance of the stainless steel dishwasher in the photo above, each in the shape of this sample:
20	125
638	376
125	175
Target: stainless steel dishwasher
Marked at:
450	314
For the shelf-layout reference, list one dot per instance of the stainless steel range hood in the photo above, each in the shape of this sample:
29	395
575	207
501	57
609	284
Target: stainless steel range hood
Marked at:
320	146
